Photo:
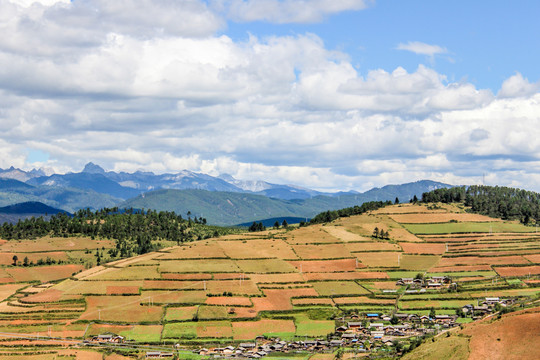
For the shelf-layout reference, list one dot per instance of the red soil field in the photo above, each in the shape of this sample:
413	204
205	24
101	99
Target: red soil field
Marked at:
171	284
423	248
312	301
515	336
44	273
122	290
173	276
49	295
353	275
533	258
325	265
276	278
228	300
460	268
322	251
475	260
440	218
518	271
230	276
280	299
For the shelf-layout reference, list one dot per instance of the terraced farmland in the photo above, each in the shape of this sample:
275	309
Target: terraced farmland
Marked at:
287	283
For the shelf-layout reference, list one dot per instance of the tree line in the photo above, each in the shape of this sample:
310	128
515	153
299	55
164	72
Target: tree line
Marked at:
495	201
135	231
331	215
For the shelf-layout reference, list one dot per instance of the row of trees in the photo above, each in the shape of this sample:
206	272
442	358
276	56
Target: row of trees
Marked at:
503	202
135	232
331	215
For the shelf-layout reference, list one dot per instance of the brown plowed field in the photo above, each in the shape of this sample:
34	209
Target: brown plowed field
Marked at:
122	290
323	251
423	248
518	271
312	301
515	336
309	235
200	250
229	300
325	265
267	248
379	259
372	246
173	276
356	275
533	258
440	269
44	273
276	278
475	260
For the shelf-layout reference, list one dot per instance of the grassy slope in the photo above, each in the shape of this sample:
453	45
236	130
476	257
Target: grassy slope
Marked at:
514	336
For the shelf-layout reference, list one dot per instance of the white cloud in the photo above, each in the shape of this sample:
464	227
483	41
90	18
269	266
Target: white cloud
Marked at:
421	48
517	85
286	11
135	94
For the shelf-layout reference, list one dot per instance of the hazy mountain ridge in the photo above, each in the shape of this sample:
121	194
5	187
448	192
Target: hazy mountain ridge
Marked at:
230	208
222	200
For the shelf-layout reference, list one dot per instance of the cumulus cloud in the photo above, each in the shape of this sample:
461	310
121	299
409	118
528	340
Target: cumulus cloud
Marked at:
134	94
421	48
286	11
517	85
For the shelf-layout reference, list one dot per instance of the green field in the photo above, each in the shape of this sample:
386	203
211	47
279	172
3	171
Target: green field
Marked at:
467	227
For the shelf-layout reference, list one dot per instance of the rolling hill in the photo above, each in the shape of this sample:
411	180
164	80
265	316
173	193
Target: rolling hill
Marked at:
295	284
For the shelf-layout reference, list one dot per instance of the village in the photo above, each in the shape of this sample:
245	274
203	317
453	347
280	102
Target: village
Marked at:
362	332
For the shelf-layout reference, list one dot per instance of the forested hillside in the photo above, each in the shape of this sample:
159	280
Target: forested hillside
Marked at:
135	232
503	202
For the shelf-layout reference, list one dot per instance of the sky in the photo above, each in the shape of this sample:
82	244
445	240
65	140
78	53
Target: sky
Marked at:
325	94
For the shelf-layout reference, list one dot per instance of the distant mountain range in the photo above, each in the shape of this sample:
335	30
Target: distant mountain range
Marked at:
221	200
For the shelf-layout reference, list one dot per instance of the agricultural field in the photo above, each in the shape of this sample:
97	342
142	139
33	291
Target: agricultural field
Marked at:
291	283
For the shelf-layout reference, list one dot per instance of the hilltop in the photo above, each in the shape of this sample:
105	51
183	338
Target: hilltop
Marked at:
297	283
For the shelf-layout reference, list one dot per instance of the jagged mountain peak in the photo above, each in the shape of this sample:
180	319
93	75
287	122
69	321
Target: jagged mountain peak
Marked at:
92	168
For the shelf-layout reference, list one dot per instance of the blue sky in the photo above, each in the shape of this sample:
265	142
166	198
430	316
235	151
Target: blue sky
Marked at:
331	95
486	41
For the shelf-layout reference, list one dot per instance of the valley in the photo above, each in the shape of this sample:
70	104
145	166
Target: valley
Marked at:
340	281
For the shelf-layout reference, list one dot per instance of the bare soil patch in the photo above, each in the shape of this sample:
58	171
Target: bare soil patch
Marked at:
356	275
475	260
440	218
423	248
325	265
518	271
267	248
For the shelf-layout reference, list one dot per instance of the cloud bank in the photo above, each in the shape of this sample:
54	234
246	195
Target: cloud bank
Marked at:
107	82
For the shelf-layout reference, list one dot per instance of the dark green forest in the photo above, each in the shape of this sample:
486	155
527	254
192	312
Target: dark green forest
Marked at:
135	231
495	201
331	215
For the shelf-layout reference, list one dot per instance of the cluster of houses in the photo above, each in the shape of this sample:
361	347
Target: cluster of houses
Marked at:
376	327
486	307
434	282
262	347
